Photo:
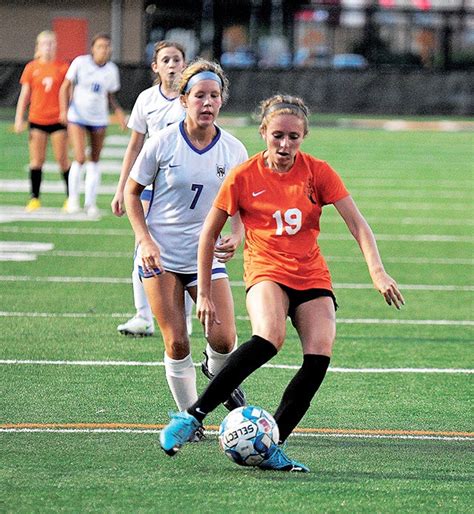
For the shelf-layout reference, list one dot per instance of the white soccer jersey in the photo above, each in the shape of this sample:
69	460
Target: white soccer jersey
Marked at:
92	84
153	111
185	182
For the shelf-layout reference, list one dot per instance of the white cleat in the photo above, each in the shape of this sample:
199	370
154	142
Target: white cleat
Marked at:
92	211
137	327
72	206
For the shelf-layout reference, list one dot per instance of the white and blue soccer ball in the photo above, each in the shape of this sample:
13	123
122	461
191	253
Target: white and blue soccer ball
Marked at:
246	435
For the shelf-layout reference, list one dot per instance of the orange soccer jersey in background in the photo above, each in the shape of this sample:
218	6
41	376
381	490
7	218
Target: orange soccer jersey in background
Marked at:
274	208
44	79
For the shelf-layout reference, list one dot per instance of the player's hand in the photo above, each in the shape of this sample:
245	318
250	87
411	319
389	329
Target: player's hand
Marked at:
388	288
19	126
206	313
121	118
226	247
117	204
151	259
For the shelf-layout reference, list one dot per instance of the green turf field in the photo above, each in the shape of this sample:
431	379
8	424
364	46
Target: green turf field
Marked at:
391	429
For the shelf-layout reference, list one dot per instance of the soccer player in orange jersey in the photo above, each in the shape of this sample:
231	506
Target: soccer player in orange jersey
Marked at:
40	83
279	194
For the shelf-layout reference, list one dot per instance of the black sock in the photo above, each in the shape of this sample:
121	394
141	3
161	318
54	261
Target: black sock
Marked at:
36	174
241	363
299	393
65	175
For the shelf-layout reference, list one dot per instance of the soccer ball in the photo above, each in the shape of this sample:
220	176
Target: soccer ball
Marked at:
246	435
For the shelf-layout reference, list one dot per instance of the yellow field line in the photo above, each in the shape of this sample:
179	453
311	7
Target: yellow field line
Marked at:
159	426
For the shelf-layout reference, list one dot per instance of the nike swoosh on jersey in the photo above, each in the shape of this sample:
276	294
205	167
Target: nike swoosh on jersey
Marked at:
258	193
174	165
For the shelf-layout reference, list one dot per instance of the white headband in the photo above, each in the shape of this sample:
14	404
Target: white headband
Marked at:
202	75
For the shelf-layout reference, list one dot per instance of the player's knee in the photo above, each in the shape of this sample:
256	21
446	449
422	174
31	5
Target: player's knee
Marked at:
223	343
177	348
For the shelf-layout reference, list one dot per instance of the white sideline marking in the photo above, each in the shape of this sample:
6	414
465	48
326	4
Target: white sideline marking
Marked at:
214	432
25	246
331	258
17	257
234	283
360	321
449	222
16	362
328	237
47	186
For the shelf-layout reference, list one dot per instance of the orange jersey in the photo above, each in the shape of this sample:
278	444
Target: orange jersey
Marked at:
45	79
281	212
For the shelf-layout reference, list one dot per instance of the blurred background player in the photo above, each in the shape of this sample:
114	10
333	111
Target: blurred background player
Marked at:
279	194
186	163
40	83
155	108
85	94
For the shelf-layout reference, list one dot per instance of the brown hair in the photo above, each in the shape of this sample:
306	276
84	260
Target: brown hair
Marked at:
166	44
101	35
283	104
199	65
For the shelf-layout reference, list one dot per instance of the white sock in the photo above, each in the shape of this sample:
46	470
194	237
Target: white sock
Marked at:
181	377
188	304
75	176
216	360
139	297
92	183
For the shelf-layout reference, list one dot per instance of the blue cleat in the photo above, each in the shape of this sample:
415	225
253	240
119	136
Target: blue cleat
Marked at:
181	429
279	461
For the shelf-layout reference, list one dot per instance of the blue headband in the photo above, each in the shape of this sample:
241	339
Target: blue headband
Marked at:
202	75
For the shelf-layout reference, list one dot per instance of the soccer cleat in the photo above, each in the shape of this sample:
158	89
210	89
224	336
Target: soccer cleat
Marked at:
92	211
198	436
65	205
180	430
279	461
137	327
237	396
33	205
73	205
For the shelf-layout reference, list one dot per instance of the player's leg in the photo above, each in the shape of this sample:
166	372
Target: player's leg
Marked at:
142	323
222	339
315	322
267	306
60	151
240	364
166	296
92	183
38	140
77	137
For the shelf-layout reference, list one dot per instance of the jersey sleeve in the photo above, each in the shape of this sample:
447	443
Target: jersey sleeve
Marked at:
71	73
115	83
137	119
26	76
329	185
146	166
227	197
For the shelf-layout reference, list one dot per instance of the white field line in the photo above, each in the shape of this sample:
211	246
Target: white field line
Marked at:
359	321
26	247
427	238
33	362
56	186
234	283
447	222
214	432
48	186
331	258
